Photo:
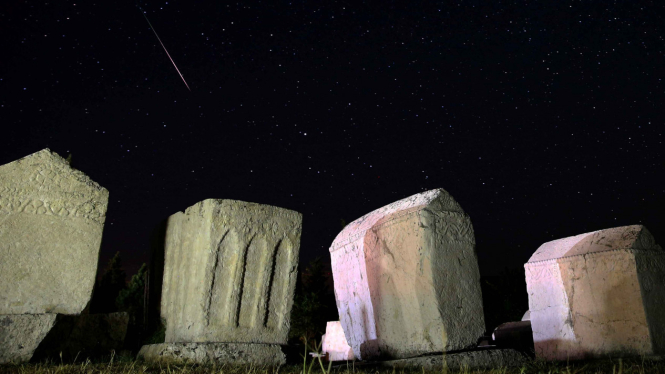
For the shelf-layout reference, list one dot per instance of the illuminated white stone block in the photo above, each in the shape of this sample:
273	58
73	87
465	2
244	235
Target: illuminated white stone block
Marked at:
597	294
406	279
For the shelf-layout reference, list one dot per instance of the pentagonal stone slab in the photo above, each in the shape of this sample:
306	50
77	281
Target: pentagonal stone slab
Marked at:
406	279
51	222
229	272
597	294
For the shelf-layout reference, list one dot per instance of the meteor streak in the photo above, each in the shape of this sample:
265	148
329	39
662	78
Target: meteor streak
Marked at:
167	52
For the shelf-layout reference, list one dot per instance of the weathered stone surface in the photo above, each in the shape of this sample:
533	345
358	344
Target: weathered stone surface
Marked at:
36	337
406	279
596	294
51	221
229	272
334	343
217	353
473	360
21	334
526	316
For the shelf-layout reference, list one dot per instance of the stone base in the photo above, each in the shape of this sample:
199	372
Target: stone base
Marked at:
217	353
21	334
37	337
478	359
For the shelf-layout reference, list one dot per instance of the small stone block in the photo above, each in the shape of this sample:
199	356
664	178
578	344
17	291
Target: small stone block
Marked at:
335	344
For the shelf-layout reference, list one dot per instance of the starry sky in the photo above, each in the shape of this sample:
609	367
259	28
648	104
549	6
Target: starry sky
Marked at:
543	119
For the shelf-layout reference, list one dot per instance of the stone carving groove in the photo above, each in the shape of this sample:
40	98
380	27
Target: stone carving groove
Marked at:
238	287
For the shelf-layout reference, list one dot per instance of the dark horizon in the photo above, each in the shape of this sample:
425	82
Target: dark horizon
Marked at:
543	120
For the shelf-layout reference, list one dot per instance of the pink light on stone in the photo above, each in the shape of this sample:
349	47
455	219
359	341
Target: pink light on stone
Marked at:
598	294
406	279
335	344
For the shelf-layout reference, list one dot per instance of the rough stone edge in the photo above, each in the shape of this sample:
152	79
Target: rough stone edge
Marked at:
213	202
593	254
204	353
642	229
402	207
81	176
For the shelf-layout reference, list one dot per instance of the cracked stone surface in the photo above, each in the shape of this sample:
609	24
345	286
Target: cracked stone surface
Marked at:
597	294
51	222
406	279
229	272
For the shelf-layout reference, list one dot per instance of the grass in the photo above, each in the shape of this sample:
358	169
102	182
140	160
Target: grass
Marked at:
129	365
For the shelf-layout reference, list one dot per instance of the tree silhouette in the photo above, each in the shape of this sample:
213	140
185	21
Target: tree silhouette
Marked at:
504	297
108	287
314	302
131	300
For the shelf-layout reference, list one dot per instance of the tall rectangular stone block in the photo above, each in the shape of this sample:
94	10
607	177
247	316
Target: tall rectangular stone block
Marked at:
406	279
598	294
51	222
229	272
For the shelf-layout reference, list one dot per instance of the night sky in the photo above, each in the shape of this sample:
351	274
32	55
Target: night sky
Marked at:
543	119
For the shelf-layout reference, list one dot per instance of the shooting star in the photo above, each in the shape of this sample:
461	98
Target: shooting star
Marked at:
167	52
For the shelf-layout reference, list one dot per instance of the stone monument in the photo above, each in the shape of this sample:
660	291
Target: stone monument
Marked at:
51	222
406	279
229	280
598	294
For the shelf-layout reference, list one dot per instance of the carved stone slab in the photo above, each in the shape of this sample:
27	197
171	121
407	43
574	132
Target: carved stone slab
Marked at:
51	222
597	294
406	279
229	272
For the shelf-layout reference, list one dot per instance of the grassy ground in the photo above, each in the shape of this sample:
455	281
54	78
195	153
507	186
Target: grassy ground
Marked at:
128	365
